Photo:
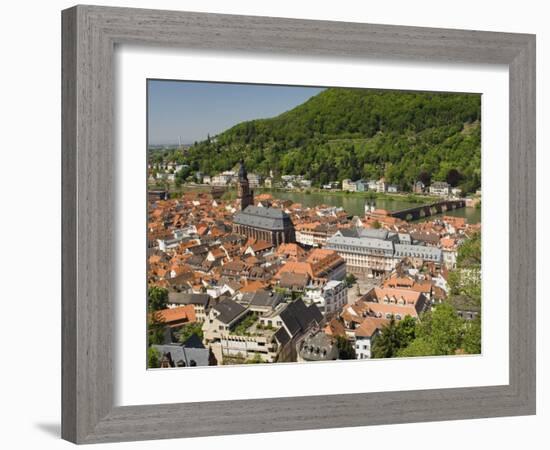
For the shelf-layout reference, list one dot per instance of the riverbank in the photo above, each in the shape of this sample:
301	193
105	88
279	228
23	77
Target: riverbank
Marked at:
352	202
368	195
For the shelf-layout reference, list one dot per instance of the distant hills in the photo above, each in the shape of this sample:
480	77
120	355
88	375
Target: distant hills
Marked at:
358	133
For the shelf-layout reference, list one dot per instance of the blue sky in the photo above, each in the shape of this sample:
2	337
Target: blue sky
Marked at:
193	110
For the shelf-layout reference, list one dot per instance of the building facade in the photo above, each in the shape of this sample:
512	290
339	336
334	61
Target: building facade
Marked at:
254	180
267	224
376	252
349	185
440	188
330	298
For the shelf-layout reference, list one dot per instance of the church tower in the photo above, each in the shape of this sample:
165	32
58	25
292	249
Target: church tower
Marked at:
245	195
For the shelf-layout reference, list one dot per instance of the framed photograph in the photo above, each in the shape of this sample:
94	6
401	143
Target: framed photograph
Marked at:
278	224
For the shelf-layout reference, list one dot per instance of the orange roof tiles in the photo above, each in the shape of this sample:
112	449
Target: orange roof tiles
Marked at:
295	267
253	286
291	250
369	326
179	314
335	328
406	295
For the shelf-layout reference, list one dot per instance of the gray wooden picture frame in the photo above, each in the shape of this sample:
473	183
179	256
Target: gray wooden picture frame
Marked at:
90	34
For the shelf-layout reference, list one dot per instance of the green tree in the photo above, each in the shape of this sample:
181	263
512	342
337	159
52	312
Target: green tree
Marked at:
350	133
157	298
425	177
393	337
189	330
390	340
418	347
182	175
469	252
350	279
407	330
442	328
155	328
345	348
257	359
153	358
471	342
453	177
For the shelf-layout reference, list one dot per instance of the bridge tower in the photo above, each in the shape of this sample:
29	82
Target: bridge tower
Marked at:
369	207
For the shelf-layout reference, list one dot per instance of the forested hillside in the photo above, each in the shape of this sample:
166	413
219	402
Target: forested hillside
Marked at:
358	133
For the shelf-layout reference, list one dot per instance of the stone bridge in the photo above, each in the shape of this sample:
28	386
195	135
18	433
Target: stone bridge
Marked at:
419	212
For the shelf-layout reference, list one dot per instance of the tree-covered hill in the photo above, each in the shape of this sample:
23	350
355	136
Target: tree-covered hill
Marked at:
358	133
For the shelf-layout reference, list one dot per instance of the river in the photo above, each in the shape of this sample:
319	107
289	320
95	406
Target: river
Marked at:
354	204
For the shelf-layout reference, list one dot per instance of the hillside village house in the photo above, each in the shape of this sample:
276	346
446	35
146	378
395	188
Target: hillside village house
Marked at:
221	180
440	188
381	185
361	185
348	185
254	180
418	187
456	192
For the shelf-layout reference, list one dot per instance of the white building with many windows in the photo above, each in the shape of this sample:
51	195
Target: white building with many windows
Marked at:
376	252
349	185
330	298
440	188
